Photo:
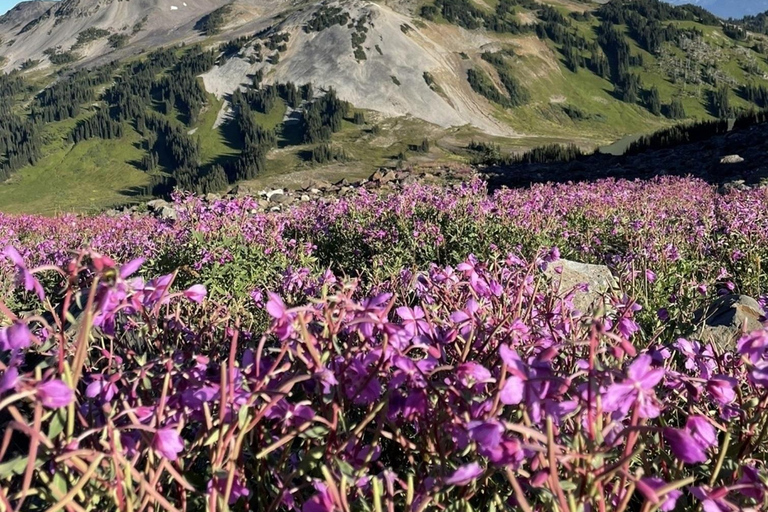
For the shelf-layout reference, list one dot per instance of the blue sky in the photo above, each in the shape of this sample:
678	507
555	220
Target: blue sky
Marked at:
7	4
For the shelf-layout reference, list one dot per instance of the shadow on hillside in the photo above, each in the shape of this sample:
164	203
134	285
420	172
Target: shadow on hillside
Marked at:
699	159
136	191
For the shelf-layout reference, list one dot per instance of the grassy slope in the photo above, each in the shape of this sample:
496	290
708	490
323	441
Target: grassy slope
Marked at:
93	174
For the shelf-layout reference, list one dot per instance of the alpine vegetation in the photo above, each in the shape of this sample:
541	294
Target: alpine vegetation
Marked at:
411	351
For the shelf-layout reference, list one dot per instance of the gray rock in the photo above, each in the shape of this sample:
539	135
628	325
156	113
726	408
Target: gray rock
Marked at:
725	320
280	198
731	159
157	205
168	213
388	176
569	274
273	193
733	185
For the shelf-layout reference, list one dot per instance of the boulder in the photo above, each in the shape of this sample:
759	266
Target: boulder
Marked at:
569	274
389	176
168	213
731	159
725	320
271	194
157	205
377	176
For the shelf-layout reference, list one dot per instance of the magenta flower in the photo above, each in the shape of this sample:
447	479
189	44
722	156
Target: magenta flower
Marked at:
684	446
23	276
10	379
101	388
322	501
513	391
627	327
702	431
487	434
130	268
196	293
465	474
473	374
713	500
283	324
168	443
413	320
649	487
754	345
722	389
15	337
753	484
636	389
55	394
220	484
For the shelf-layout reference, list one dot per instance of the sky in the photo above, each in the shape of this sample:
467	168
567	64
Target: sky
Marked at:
5	5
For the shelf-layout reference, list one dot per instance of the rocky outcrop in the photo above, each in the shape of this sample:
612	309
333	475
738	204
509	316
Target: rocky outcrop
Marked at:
725	320
567	275
385	181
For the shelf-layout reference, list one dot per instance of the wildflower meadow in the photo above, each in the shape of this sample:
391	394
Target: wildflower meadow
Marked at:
386	352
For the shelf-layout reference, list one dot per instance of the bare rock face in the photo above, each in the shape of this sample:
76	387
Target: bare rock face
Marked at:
727	318
569	274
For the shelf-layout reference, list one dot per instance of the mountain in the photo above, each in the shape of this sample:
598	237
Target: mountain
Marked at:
24	12
120	100
32	28
728	8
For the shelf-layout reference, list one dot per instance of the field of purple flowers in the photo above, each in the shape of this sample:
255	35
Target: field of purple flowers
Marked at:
398	352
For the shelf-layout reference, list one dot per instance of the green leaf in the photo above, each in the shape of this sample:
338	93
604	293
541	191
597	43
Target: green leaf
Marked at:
317	432
60	483
13	467
459	506
58	422
213	438
242	416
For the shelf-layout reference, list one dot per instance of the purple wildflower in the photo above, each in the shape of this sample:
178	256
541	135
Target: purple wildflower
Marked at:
196	293
55	394
465	474
23	276
649	487
15	337
168	443
637	388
